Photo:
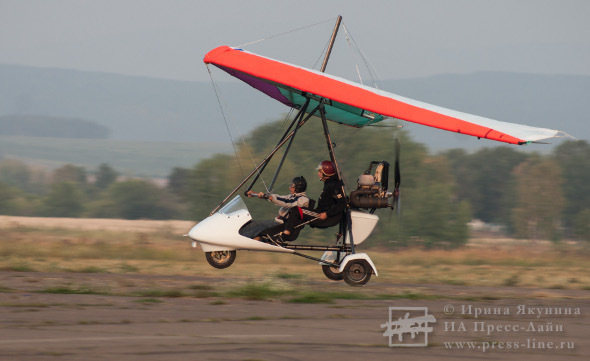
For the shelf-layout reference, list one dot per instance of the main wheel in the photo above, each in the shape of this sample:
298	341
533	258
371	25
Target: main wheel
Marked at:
357	272
221	259
332	273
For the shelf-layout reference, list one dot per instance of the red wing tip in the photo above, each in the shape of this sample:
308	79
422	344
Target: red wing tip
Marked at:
211	55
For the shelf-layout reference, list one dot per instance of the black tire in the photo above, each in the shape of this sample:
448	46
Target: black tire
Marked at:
332	273
221	259
357	272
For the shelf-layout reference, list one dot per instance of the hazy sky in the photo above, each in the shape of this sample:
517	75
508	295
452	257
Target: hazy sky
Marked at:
400	38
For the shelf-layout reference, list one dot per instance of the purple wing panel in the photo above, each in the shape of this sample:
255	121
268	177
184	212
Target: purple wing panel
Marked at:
268	89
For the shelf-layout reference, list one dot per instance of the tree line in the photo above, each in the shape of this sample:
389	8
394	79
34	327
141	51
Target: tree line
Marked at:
71	191
527	195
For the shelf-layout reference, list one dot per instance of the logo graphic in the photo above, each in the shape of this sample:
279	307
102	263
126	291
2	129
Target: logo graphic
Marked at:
416	326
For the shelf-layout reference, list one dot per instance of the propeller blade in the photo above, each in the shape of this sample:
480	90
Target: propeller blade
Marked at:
397	177
397	174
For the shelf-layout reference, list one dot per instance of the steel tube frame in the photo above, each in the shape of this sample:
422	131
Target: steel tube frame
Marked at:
274	179
316	259
265	161
331	45
297	247
296	120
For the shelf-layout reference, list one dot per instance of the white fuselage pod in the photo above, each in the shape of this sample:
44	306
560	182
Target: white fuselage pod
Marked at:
220	232
362	225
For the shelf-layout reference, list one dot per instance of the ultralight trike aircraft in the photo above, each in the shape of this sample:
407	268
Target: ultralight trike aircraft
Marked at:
327	97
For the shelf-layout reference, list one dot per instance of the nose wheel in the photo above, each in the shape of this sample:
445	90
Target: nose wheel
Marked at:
357	273
221	259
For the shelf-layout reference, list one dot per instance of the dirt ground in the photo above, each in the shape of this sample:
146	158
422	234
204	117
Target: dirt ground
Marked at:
546	324
179	308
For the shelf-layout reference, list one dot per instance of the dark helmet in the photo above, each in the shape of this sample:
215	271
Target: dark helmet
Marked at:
299	184
327	168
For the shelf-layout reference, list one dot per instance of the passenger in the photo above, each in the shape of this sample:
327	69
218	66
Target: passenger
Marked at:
329	211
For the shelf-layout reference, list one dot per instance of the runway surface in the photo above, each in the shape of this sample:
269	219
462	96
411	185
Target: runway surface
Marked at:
120	326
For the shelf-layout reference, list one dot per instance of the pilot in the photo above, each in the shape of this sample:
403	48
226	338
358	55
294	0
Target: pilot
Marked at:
329	211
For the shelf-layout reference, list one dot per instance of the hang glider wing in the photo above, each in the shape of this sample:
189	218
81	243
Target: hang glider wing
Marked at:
356	105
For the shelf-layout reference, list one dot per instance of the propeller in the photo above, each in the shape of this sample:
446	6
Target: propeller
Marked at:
397	177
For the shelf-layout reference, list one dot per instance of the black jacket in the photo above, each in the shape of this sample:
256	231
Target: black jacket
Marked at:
332	200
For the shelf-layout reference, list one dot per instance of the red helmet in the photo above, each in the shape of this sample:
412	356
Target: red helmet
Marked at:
327	168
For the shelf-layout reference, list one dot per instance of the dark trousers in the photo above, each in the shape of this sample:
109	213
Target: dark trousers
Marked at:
294	219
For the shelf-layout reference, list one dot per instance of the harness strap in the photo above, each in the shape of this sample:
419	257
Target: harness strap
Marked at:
300	212
309	213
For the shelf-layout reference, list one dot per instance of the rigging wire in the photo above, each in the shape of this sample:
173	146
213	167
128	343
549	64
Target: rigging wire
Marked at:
371	69
218	95
285	33
283	126
224	118
298	167
271	145
321	54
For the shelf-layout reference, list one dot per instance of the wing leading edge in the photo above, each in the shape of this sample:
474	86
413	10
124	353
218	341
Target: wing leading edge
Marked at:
357	105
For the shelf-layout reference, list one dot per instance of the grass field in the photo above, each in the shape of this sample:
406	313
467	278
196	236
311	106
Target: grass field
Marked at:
158	248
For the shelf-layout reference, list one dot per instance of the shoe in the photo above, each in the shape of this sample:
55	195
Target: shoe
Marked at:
276	240
265	239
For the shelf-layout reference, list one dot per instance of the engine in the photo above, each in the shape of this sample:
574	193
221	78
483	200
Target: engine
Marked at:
371	192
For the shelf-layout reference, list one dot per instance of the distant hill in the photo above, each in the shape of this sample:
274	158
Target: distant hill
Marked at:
148	109
133	108
132	158
51	127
